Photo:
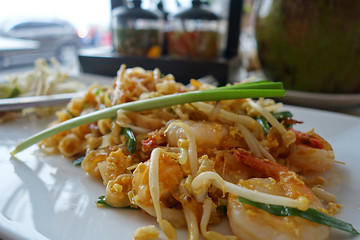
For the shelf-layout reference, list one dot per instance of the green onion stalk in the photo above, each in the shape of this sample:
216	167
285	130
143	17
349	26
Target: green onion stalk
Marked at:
309	214
246	90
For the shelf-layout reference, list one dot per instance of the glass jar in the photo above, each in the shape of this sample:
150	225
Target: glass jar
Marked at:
136	31
194	33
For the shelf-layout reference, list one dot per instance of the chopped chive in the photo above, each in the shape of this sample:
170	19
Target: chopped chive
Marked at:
278	116
102	202
84	106
79	160
98	90
218	94
70	113
16	92
130	139
283	115
310	214
264	123
8	91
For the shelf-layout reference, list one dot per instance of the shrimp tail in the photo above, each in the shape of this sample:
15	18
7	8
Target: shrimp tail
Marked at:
311	140
289	180
154	140
261	165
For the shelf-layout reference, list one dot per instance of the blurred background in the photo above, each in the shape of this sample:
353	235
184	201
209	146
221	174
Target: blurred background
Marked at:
313	47
66	29
44	28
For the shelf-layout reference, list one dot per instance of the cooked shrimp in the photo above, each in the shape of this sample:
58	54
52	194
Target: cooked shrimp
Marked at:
114	165
287	179
310	153
170	175
207	134
116	194
154	183
249	222
231	168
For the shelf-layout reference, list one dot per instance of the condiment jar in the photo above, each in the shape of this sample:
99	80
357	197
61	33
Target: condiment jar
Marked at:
136	31
194	33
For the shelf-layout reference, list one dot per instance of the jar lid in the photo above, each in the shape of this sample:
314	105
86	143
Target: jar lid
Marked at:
197	12
135	12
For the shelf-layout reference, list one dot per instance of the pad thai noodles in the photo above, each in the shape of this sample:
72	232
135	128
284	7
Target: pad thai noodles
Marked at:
190	165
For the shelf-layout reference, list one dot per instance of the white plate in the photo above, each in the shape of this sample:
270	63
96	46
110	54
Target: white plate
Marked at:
48	198
321	100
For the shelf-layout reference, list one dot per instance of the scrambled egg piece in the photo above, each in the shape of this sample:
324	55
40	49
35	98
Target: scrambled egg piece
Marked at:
146	233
